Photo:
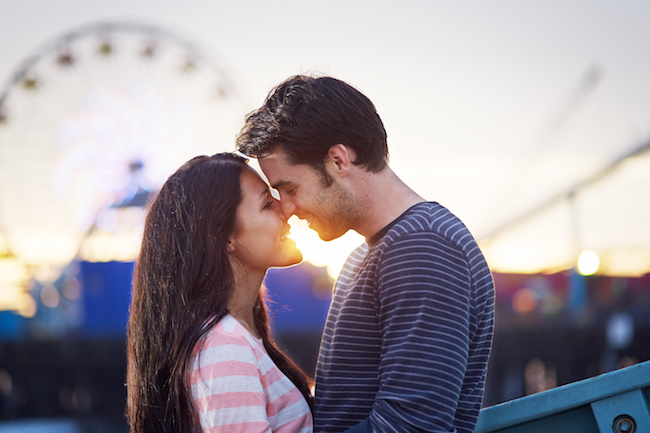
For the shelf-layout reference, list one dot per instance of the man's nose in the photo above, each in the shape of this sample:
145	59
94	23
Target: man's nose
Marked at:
287	207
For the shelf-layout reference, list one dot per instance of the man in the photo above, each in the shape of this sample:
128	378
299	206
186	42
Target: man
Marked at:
408	335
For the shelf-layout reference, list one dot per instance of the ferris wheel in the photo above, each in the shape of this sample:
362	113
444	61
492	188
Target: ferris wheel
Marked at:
89	109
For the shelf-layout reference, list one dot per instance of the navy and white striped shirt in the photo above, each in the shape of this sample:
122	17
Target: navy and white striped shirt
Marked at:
409	332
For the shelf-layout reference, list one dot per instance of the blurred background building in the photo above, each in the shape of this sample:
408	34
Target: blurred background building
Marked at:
532	123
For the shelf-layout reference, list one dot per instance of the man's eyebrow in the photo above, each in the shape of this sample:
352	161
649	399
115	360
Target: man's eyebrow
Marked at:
280	184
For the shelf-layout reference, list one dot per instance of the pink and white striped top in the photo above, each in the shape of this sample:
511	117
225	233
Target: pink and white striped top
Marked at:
236	387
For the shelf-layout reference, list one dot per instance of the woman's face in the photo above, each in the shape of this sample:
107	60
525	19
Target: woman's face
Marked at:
260	240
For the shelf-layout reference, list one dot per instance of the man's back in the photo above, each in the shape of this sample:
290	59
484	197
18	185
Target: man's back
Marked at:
409	331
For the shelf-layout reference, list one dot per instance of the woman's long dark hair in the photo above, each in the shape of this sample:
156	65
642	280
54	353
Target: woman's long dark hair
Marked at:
182	283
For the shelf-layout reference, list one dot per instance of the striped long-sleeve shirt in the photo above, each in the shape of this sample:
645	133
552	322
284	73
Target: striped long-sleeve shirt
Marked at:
409	332
236	387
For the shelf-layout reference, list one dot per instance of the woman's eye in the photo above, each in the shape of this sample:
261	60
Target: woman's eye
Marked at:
268	204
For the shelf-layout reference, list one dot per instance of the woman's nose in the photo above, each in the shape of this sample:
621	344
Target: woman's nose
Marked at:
287	207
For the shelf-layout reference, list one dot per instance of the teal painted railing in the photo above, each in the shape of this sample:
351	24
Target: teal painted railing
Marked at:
612	402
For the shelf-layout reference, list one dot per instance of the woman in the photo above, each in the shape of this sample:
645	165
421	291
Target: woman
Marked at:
200	356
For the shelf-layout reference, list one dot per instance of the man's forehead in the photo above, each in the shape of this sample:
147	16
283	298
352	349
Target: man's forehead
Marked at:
277	155
278	169
272	166
279	179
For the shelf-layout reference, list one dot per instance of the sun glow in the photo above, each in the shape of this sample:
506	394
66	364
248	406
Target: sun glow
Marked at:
331	254
588	262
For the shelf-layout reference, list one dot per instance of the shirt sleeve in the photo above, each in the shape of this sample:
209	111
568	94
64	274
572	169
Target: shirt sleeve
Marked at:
423	299
227	388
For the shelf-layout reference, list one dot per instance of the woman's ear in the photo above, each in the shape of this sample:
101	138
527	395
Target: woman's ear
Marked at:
231	246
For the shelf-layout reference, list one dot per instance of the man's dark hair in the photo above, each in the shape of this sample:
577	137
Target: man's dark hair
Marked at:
305	116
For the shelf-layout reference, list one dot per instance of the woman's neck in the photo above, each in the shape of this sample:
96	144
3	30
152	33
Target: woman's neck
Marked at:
247	322
242	302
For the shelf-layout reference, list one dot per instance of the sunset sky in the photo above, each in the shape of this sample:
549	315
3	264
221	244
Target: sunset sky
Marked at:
492	107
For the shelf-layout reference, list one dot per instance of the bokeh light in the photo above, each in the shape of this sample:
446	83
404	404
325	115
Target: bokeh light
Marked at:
588	263
525	300
50	296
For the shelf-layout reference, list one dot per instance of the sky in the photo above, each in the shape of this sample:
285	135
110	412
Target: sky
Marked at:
491	107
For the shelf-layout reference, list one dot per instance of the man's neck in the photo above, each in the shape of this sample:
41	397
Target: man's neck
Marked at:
382	198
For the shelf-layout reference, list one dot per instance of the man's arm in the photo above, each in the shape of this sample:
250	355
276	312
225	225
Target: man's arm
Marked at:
423	296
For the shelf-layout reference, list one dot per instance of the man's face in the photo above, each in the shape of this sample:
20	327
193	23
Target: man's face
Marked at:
329	210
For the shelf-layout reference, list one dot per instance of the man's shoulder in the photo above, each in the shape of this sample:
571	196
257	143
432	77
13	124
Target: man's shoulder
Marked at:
427	218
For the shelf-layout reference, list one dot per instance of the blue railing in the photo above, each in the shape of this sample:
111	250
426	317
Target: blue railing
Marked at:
612	402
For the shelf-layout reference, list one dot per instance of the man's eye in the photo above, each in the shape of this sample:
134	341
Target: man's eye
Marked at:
268	204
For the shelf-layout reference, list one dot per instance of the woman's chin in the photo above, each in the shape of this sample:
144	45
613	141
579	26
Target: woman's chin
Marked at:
293	257
296	258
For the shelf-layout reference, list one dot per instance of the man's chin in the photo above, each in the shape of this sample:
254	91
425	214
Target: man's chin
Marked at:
328	236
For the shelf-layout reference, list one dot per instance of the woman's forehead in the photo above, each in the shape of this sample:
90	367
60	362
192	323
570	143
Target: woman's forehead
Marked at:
253	181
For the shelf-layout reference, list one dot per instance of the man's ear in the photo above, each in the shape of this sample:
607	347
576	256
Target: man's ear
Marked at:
342	158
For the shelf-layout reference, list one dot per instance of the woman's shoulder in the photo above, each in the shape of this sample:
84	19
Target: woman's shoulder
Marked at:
225	342
228	331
